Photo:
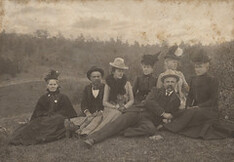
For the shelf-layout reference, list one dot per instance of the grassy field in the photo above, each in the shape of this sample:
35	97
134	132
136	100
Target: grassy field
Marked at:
17	102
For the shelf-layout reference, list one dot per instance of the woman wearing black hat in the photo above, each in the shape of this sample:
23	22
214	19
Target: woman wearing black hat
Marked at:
200	119
144	83
47	121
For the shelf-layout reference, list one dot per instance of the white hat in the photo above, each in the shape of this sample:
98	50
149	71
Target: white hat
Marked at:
119	63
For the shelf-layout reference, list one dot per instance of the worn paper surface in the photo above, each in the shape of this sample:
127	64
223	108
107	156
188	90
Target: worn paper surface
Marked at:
146	21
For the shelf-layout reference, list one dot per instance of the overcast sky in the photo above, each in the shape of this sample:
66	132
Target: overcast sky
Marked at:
147	22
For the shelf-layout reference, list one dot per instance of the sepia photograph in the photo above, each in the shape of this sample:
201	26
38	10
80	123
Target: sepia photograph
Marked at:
116	80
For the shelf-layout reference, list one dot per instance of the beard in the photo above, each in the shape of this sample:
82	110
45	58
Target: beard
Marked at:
170	88
96	83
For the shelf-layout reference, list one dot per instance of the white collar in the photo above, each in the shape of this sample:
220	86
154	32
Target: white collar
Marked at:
95	92
169	93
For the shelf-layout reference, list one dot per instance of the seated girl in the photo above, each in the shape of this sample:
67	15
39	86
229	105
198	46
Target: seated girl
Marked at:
47	121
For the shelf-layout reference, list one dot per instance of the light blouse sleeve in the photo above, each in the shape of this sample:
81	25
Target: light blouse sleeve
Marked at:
159	82
105	100
184	82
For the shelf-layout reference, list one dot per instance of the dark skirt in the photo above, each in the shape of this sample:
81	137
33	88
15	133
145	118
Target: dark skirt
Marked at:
40	130
200	123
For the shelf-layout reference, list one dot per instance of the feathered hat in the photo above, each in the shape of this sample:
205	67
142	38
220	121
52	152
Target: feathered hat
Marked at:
174	53
53	74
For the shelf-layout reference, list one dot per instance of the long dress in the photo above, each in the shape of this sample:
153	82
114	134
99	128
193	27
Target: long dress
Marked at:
110	114
118	93
203	121
142	86
47	121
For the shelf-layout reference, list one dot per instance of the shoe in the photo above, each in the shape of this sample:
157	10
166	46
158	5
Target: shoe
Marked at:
156	137
160	127
88	143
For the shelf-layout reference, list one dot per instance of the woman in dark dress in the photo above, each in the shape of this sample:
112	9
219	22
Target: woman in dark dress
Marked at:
201	118
47	121
145	82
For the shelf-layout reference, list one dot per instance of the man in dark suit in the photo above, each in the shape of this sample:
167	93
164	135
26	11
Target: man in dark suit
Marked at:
91	100
159	106
93	93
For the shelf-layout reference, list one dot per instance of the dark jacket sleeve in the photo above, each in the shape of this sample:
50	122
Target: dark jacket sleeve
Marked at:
84	101
40	108
66	108
151	102
214	84
135	86
190	98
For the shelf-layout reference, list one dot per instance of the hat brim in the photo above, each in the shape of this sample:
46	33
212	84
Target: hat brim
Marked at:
119	67
170	75
96	69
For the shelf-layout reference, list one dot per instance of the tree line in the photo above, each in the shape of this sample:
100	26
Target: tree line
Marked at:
24	53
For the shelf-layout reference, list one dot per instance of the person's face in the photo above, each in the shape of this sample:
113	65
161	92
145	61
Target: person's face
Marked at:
118	73
171	64
147	69
52	85
96	78
169	83
201	68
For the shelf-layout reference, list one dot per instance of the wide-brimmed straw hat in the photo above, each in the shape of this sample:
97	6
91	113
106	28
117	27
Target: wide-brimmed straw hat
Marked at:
119	63
170	73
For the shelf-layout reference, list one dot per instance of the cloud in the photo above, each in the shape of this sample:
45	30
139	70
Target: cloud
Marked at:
91	23
34	10
147	22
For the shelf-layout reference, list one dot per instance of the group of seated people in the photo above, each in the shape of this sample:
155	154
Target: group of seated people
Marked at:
116	108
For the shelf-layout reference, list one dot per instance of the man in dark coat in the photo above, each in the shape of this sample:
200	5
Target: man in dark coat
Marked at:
93	93
141	119
91	102
200	119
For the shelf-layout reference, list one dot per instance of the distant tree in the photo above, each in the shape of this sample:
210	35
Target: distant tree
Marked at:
41	34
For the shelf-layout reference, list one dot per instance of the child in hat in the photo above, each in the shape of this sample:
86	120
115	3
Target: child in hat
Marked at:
171	64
